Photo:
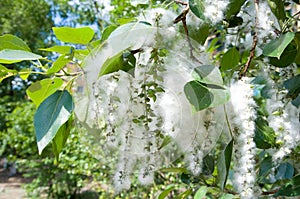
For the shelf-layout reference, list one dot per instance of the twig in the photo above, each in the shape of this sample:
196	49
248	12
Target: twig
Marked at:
181	2
182	18
269	192
254	43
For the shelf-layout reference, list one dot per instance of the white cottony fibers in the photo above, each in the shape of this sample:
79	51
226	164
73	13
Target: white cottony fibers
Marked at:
243	117
214	10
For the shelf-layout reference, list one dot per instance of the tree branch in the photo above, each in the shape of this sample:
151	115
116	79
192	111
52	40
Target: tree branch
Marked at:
254	43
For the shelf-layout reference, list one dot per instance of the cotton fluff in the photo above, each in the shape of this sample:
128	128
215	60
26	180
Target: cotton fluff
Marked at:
214	10
243	116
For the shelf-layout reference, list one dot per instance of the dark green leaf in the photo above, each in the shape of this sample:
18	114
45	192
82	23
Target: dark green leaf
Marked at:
82	35
265	169
208	74
198	95
40	90
276	47
197	8
223	164
264	135
293	86
9	56
284	171
230	59
208	165
278	9
12	42
234	8
287	57
52	113
291	188
61	137
198	34
166	192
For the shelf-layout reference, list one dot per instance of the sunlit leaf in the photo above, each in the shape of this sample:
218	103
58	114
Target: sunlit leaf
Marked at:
42	89
82	35
201	193
61	62
5	73
9	56
12	42
166	192
58	49
107	31
24	73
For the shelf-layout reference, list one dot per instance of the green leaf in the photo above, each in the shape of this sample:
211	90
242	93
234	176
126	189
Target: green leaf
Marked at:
125	20
230	59
198	95
61	137
234	7
52	113
227	196
287	57
208	165
201	193
166	192
9	56
122	61
291	188
12	42
293	86
208	74
223	164
278	9
276	47
40	90
61	62
198	33
58	49
185	194
197	8
284	171
264	135
107	31
82	35
24	73
5	73
174	170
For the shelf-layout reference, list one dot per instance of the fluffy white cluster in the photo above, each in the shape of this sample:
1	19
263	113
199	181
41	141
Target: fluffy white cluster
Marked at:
242	116
283	118
214	10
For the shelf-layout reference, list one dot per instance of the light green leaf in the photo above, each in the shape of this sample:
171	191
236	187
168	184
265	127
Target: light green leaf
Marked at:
197	8
107	31
208	74
12	42
42	89
24	73
125	20
61	137
122	61
58	49
82	35
52	113
166	192
80	54
5	73
185	194
201	193
9	56
227	196
61	62
230	59
276	47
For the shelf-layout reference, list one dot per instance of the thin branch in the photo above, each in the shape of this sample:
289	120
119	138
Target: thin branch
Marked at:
181	2
254	43
182	18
